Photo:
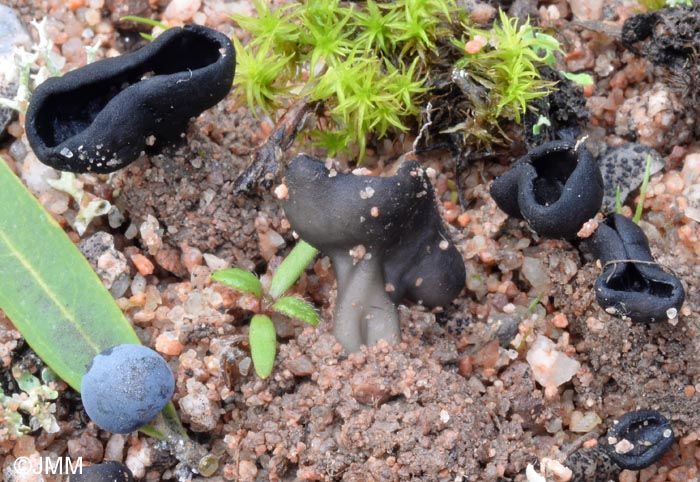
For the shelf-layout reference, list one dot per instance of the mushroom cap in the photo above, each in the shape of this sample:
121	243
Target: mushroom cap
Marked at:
333	211
100	117
649	434
395	218
632	284
555	188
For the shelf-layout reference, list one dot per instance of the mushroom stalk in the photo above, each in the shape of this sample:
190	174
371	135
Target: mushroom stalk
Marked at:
393	226
364	313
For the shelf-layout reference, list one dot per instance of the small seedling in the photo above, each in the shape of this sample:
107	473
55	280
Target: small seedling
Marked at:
642	192
262	335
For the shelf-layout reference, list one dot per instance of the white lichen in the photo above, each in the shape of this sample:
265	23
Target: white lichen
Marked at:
35	400
90	206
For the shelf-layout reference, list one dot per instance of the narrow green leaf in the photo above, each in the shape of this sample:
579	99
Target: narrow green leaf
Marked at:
297	308
49	290
52	295
291	268
618	200
263	344
580	79
240	280
531	307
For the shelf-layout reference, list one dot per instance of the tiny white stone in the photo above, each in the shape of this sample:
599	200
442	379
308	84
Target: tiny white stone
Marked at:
367	193
624	446
67	153
532	475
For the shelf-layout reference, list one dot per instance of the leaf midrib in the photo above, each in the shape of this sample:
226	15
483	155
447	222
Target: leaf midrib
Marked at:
12	249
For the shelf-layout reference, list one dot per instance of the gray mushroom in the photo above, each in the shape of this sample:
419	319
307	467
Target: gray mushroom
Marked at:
385	239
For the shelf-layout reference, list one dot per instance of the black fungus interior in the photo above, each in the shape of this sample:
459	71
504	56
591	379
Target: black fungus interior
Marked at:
629	279
644	435
553	170
68	113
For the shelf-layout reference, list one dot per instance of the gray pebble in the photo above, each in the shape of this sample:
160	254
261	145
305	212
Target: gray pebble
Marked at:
624	166
18	150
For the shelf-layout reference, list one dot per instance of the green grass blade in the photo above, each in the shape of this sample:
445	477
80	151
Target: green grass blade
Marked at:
643	192
291	268
49	290
240	280
618	200
263	344
145	21
297	308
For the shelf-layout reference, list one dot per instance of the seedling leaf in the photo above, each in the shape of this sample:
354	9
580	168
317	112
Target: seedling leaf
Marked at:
240	280
263	344
541	121
580	79
51	294
297	308
291	268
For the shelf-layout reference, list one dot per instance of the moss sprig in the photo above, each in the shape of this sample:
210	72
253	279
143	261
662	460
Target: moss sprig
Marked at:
371	65
503	76
366	62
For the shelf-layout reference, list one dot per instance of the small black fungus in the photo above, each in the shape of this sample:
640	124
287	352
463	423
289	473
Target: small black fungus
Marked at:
638	439
632	283
385	239
633	442
556	188
102	116
107	472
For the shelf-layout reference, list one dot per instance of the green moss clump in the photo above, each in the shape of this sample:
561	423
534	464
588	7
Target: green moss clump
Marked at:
373	64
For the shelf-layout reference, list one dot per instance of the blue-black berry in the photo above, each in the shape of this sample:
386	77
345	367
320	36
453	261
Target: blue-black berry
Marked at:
125	387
